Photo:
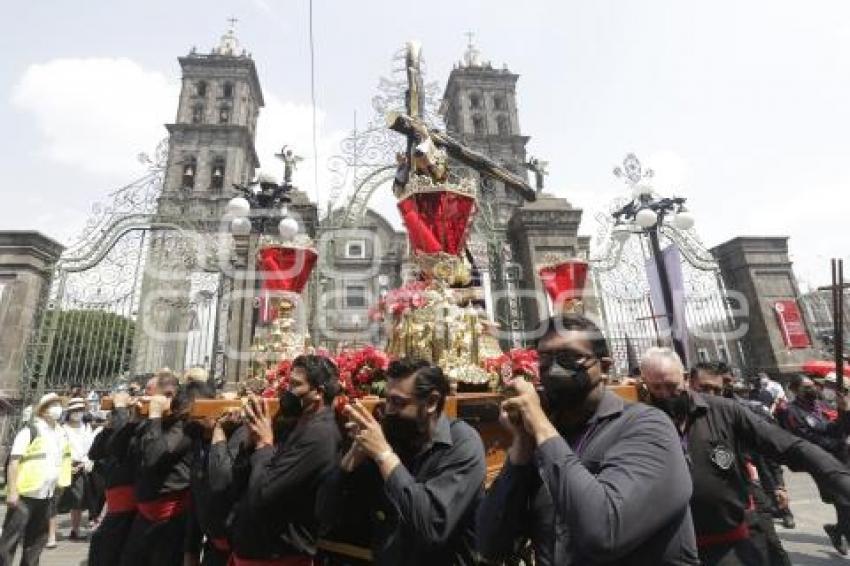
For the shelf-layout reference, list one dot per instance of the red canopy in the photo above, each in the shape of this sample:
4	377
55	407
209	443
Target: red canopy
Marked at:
821	368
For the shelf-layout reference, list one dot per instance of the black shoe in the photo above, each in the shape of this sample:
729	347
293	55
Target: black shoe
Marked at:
788	520
836	539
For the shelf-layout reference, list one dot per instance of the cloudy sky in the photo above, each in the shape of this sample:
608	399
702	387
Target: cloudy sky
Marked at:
743	107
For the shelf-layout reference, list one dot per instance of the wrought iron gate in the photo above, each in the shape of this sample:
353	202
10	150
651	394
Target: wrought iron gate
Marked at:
88	329
619	282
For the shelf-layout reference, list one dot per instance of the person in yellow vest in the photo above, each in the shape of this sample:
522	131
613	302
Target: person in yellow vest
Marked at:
40	462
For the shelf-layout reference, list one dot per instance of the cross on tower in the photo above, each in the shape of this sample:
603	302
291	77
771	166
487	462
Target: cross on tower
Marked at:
232	22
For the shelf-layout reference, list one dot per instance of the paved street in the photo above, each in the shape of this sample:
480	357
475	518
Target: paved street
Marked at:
807	544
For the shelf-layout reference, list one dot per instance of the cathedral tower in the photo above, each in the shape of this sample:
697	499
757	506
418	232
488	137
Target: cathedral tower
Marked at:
210	147
480	110
211	142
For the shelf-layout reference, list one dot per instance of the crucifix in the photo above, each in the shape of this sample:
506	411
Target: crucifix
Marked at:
427	148
232	22
540	169
837	288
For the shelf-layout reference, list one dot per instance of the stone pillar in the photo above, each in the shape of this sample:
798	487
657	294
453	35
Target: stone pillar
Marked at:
547	226
760	270
241	316
27	260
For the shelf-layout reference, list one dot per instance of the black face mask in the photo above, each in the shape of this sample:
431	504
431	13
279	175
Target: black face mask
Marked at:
403	434
676	406
291	406
809	395
564	388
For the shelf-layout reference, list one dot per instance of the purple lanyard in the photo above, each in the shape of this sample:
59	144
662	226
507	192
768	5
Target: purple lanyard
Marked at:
579	449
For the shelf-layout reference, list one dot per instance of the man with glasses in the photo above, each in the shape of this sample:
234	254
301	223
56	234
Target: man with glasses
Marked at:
589	478
409	484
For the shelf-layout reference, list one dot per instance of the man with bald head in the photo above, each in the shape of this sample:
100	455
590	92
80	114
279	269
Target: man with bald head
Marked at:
716	432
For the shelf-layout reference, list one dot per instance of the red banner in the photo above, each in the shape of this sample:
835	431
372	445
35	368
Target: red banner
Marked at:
791	324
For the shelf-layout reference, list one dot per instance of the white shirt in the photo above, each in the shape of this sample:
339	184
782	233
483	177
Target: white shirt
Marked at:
80	439
54	439
776	390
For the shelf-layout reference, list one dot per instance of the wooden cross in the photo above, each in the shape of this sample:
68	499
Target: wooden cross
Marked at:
412	125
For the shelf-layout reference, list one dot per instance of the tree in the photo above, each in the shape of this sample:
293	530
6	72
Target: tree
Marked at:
90	346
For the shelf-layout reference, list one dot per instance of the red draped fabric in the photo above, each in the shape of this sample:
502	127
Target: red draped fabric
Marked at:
821	368
284	268
437	221
565	280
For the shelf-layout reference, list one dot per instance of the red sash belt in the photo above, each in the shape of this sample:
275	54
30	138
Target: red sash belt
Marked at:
221	544
120	499
166	507
288	561
741	532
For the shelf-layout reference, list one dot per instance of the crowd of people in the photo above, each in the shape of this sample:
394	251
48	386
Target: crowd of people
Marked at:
691	475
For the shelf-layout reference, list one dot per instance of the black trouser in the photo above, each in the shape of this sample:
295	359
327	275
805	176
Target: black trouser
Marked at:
28	521
741	553
107	541
213	556
842	513
155	544
763	534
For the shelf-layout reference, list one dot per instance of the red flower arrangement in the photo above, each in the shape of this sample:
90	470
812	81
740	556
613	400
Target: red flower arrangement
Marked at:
519	362
363	371
409	296
277	379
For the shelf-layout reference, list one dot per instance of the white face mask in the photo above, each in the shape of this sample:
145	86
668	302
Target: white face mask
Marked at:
54	412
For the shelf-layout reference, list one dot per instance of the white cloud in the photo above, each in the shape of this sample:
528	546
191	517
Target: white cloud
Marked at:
288	123
97	114
262	6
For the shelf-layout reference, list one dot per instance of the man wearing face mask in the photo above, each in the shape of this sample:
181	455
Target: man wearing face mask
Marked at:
806	417
274	522
766	483
162	456
716	433
589	478
40	462
409	485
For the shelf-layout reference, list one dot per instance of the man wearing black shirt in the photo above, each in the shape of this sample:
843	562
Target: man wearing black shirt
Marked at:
110	448
274	520
210	507
807	418
162	455
408	486
589	479
716	432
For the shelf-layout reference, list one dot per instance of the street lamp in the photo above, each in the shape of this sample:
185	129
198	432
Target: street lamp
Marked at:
645	213
263	208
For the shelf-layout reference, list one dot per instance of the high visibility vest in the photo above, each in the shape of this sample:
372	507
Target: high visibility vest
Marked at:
31	470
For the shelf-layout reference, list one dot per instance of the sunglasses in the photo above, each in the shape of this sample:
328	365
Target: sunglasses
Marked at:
567	359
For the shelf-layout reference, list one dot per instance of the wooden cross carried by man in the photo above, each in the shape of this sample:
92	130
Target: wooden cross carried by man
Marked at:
425	146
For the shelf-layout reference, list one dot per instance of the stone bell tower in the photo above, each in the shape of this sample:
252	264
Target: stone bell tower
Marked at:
480	110
211	142
211	146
